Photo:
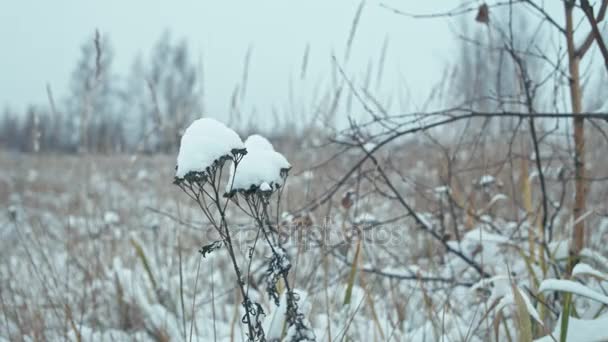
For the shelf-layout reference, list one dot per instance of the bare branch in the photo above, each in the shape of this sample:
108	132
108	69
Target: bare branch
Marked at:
595	29
580	52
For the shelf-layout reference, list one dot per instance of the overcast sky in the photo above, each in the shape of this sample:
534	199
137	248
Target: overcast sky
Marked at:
41	42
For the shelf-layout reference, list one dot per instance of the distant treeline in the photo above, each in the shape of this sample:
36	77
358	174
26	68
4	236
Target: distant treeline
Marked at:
147	109
144	111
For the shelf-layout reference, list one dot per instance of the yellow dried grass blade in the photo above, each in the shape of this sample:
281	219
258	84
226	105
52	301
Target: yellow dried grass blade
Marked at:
524	325
351	276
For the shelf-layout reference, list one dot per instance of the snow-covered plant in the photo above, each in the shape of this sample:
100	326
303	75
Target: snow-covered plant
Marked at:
257	172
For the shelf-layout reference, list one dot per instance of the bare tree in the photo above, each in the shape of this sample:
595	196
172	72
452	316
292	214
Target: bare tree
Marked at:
173	91
92	90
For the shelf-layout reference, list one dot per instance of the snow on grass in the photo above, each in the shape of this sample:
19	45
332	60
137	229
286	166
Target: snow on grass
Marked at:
501	288
572	287
486	180
276	322
582	269
441	191
594	255
593	330
481	235
559	249
204	142
366	218
509	299
131	307
111	217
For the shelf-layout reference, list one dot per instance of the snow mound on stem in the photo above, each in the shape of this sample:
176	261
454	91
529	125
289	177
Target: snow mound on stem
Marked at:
261	168
265	187
258	142
204	142
256	168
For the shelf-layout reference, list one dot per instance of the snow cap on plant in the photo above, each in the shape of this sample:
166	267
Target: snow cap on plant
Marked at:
258	142
205	144
261	169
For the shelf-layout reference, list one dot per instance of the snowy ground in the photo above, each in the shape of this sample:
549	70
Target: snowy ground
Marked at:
98	248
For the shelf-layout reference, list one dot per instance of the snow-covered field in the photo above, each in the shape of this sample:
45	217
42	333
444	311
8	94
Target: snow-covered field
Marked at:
106	248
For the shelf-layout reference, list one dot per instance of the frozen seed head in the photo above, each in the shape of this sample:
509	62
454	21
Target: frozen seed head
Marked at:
258	142
256	168
265	187
262	168
206	142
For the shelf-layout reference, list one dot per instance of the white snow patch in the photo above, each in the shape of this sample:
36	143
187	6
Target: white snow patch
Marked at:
276	321
205	141
498	197
481	235
531	310
369	147
258	142
142	174
111	217
265	187
442	190
593	255
559	249
582	269
486	180
257	167
572	287
364	218
501	287
510	300
593	330
32	175
308	175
